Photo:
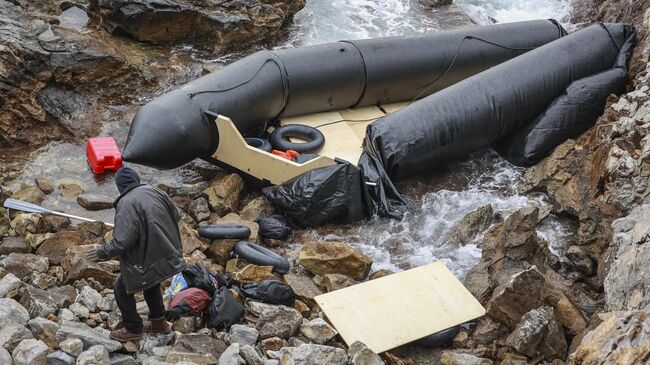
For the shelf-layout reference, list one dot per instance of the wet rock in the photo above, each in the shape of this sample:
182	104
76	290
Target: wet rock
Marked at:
14	244
69	189
380	274
613	338
233	218
42	303
508	305
231	356
191	239
539	334
220	251
313	354
89	297
77	267
57	223
477	281
44	330
255	209
278	321
471	225
89	336
44	184
30	352
95	355
360	354
199	348
322	258
199	209
8	284
60	358
333	282
224	194
30	194
95	201
202	23
253	273
12	334
304	289
273	344
243	335
458	358
72	346
55	247
317	331
250	355
22	264
26	223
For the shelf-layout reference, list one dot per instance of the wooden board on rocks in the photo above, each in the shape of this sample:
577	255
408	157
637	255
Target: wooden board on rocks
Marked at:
400	308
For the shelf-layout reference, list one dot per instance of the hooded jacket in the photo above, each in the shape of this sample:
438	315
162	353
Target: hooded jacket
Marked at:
146	238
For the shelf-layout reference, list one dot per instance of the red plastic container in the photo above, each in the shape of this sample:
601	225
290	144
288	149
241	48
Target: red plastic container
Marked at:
103	154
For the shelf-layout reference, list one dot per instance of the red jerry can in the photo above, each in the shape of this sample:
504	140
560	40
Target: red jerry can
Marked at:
103	154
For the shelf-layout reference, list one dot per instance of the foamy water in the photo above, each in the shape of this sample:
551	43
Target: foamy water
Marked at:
503	11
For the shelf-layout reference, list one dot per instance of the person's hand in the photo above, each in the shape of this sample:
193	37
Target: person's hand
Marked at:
90	253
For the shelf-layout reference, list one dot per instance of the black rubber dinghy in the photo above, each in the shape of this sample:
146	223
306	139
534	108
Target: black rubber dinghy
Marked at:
174	128
262	256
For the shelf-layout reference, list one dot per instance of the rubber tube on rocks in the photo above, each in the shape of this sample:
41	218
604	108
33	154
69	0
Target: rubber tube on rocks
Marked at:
280	138
176	128
262	256
224	231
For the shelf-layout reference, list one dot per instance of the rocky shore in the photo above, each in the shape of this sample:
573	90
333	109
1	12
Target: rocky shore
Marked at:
588	304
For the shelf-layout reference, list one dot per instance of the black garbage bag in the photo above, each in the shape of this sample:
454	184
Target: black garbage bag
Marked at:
198	276
570	114
274	226
327	194
224	311
269	291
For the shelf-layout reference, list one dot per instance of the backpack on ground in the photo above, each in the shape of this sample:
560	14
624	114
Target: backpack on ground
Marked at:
188	302
269	291
224	311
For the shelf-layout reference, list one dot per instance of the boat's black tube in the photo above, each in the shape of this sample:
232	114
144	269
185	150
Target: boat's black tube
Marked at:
485	108
174	129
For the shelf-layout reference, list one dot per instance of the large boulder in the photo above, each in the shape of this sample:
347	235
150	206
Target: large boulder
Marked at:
539	335
89	336
42	303
212	24
278	321
55	247
224	194
23	264
77	267
197	348
322	258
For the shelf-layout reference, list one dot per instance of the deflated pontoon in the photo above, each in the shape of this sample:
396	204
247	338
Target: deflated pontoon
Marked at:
524	106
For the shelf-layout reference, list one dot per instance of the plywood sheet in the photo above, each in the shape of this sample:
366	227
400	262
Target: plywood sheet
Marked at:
400	308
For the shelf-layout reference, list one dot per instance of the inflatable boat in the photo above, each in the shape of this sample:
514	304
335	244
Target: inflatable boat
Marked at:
387	108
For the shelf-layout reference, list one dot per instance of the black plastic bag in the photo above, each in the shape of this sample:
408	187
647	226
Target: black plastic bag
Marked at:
198	276
269	291
327	194
224	311
274	226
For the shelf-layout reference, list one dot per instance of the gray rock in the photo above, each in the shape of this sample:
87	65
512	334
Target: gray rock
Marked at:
42	303
95	355
250	355
30	352
199	209
271	362
122	359
66	314
12	334
317	330
72	346
95	201
201	349
79	310
278	321
89	297
107	303
44	330
312	354
60	358
12	312
14	244
539	334
360	354
89	336
231	356
8	284
25	224
23	264
457	358
5	357
243	335
44	184
471	225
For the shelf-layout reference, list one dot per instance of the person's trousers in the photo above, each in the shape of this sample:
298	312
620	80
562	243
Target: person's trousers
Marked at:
126	303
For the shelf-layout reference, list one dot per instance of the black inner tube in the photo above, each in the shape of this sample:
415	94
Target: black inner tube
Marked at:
259	143
280	138
262	256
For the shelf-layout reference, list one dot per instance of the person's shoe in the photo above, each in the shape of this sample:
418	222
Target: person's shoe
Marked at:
123	335
157	326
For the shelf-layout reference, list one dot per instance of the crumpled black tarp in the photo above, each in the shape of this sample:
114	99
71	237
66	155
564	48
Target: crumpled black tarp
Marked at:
570	114
327	194
486	108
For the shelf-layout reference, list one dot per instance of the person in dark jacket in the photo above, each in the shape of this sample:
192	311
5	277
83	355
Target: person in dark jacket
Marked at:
146	239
